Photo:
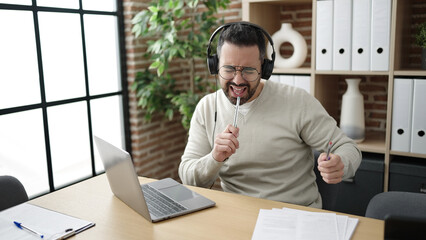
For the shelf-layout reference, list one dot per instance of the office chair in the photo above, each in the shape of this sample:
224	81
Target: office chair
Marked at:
12	192
404	214
405	204
328	192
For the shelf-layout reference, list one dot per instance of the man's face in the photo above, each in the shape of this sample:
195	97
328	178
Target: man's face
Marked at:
240	57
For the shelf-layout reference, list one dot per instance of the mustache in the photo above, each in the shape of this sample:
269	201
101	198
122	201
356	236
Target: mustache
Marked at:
237	85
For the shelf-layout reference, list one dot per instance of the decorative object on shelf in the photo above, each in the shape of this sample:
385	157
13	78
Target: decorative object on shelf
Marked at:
352	113
300	49
421	42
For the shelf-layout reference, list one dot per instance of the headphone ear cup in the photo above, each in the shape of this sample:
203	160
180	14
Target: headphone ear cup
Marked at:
267	68
212	63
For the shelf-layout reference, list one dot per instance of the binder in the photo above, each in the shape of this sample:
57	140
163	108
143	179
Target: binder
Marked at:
303	82
361	30
324	38
274	78
380	34
401	114
342	34
418	134
287	79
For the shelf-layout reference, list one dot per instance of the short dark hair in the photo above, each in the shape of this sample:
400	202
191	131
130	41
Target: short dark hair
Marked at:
241	34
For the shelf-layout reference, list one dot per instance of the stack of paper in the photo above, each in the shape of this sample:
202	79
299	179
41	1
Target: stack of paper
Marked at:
289	223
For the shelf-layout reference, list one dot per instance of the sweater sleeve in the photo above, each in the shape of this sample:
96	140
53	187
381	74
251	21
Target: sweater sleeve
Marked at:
318	128
197	166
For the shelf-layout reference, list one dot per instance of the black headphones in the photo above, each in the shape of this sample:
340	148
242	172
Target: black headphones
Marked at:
267	65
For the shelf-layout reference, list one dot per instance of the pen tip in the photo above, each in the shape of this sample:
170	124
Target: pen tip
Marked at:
330	143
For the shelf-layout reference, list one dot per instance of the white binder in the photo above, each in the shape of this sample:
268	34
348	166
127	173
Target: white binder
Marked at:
324	38
274	78
303	82
401	114
342	34
287	79
361	30
418	134
380	34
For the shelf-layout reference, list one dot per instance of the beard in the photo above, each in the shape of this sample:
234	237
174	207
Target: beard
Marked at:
243	100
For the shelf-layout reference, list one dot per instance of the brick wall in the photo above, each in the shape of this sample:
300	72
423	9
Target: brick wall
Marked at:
300	17
375	92
418	11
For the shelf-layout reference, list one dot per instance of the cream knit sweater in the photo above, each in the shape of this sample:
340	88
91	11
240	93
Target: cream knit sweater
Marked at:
276	138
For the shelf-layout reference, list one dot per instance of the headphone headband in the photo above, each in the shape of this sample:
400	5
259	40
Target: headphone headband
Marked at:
267	66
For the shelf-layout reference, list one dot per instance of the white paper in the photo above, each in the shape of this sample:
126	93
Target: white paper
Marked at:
295	224
273	224
352	223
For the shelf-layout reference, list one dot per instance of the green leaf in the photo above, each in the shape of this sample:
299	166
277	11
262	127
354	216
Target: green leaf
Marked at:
160	69
169	114
153	9
154	65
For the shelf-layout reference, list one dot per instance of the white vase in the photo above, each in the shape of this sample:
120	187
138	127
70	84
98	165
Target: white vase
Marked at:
288	34
352	114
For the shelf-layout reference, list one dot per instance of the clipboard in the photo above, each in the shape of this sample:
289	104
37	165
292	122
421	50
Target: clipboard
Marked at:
51	224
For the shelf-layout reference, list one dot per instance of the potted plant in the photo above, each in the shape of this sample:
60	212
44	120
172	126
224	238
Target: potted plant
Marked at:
421	42
164	22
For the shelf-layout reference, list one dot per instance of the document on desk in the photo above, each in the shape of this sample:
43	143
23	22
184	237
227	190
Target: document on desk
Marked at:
40	221
292	224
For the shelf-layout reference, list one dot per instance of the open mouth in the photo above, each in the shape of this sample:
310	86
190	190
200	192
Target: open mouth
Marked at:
238	91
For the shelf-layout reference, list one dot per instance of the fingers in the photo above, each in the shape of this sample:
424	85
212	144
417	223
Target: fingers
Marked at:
226	143
233	130
331	170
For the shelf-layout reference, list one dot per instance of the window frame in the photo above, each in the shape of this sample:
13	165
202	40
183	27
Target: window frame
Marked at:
44	105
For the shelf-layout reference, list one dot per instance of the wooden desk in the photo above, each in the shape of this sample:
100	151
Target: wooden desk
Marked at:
233	217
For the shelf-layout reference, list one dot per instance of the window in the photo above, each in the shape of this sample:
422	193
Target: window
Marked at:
60	84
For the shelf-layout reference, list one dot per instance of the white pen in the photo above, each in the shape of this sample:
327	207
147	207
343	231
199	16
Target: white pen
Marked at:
237	105
21	226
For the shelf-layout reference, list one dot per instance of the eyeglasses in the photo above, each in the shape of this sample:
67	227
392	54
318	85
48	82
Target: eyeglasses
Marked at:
228	72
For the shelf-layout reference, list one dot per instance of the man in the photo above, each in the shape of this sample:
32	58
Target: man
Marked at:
269	153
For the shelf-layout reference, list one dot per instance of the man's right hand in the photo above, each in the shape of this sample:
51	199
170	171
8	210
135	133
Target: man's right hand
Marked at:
226	143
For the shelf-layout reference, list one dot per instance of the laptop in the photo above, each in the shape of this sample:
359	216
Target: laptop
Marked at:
155	201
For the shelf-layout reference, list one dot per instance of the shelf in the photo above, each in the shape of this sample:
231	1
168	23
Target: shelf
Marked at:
415	73
328	86
407	154
277	1
292	70
361	73
374	142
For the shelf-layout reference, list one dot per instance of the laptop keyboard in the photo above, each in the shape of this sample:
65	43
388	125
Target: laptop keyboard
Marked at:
158	203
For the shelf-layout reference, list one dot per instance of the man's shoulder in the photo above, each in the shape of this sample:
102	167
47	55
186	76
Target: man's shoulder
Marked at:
207	101
208	98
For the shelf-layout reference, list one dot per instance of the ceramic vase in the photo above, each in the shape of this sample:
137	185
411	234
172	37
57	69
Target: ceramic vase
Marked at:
352	114
288	34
